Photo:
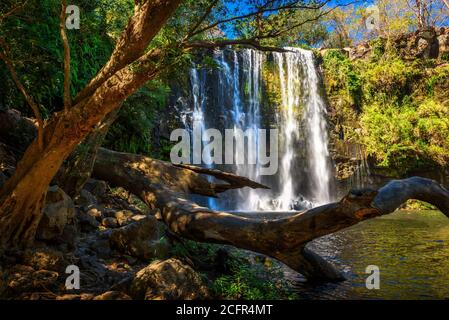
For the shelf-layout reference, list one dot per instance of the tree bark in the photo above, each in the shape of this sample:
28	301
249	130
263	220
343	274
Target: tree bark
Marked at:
283	237
77	169
22	196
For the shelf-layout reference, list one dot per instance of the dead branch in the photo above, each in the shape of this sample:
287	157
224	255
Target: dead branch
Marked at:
284	237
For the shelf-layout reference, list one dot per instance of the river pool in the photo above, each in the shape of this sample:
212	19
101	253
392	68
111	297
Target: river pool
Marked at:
411	249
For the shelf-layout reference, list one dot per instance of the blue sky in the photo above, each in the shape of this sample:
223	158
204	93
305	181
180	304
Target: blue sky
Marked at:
243	8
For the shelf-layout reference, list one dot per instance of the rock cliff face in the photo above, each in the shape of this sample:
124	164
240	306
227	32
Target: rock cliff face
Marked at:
353	166
432	43
427	53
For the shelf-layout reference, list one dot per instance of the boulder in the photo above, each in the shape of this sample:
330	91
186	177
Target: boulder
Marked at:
85	200
44	278
102	248
110	222
360	51
443	42
87	222
168	280
142	239
83	296
44	258
59	210
97	188
138	217
21	278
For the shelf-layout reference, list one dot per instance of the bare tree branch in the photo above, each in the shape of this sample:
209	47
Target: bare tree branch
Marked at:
303	22
255	41
261	10
4	56
202	19
65	41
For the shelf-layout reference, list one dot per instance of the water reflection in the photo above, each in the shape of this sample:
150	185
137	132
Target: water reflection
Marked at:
411	249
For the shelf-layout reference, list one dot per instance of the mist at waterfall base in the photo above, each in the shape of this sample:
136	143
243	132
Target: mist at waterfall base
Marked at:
233	95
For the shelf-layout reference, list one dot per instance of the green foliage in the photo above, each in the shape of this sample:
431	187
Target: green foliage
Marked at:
37	52
445	56
204	251
388	78
261	279
378	46
439	76
403	113
256	281
345	78
132	132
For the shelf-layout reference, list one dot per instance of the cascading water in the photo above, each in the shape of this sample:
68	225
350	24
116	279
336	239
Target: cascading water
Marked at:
316	129
236	89
299	86
290	93
198	122
253	61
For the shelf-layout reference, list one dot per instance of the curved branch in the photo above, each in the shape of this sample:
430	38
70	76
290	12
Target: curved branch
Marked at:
284	237
142	27
263	9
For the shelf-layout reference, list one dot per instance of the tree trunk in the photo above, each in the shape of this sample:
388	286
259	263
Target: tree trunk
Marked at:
421	12
22	197
283	237
78	167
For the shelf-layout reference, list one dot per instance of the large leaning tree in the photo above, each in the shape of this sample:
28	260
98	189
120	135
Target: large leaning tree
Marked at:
283	236
135	60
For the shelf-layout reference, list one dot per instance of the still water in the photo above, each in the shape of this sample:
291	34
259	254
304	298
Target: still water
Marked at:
411	248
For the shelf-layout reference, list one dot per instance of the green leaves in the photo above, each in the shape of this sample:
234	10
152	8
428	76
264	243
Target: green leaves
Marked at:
401	107
37	52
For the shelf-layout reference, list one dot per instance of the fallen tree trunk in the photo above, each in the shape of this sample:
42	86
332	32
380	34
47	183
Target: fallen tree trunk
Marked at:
164	185
284	238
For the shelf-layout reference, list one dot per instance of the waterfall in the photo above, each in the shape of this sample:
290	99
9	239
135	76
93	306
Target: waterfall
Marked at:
198	123
318	156
230	97
253	61
290	93
299	84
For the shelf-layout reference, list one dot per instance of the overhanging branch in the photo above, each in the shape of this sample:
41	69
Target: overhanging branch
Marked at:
285	238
